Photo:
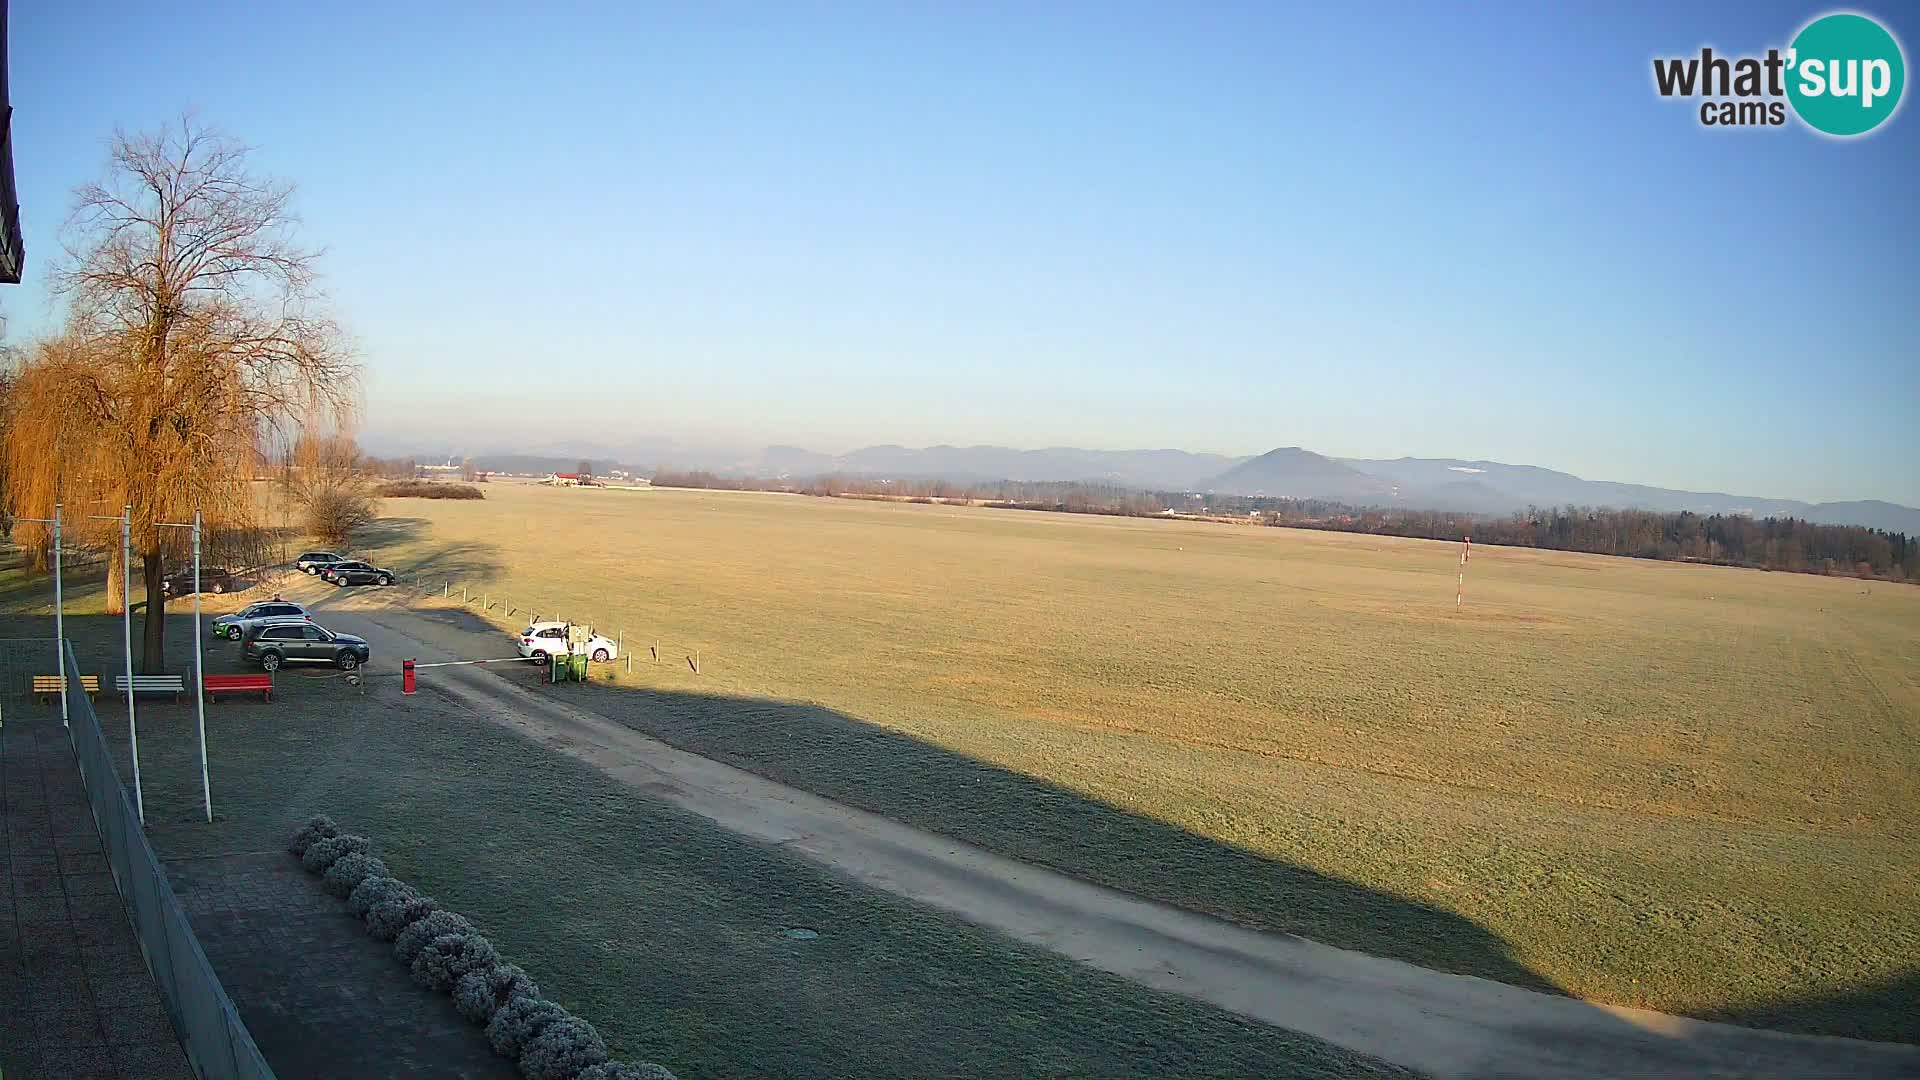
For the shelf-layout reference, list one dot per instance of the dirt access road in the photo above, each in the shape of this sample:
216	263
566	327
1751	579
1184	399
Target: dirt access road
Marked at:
1450	1026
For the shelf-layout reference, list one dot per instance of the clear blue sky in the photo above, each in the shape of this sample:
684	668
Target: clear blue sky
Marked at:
1371	230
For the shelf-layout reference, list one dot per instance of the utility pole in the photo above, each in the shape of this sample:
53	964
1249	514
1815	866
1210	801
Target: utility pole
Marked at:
199	681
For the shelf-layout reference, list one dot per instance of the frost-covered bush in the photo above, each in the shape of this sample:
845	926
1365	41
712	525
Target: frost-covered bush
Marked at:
348	871
372	889
621	1070
562	1049
518	1021
387	918
324	853
478	993
449	956
419	935
318	827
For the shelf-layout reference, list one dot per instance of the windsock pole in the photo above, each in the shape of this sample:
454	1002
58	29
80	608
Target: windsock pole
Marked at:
1460	592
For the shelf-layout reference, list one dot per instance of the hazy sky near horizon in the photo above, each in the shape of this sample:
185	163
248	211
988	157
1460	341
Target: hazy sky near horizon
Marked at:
1371	231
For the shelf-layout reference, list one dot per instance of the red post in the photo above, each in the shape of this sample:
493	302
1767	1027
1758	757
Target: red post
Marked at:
406	676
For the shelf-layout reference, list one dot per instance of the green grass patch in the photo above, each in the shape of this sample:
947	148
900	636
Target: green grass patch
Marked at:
664	930
1685	788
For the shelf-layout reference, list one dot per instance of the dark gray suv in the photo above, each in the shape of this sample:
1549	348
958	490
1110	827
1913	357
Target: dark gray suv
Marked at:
276	643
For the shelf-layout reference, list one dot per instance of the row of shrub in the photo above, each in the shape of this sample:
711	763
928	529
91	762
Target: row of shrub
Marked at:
445	952
428	489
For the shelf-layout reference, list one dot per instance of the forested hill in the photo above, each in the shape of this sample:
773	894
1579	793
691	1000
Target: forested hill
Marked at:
1770	543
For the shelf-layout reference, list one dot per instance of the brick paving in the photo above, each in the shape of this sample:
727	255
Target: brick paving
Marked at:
321	998
76	1000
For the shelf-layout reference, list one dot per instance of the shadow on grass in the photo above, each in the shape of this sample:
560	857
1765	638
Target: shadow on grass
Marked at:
443	562
903	778
828	753
1886	1010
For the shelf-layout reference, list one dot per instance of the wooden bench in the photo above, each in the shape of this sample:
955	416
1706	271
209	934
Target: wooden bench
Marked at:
48	687
233	684
152	684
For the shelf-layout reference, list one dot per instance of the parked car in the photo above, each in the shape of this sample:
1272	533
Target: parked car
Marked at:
213	579
236	625
354	572
313	562
544	640
291	641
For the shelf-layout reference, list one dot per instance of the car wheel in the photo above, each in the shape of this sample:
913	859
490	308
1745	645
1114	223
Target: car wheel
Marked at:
341	581
540	659
599	656
310	570
219	587
270	661
347	661
386	579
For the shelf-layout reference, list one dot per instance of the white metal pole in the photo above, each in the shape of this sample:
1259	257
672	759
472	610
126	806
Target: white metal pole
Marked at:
126	606
199	682
59	619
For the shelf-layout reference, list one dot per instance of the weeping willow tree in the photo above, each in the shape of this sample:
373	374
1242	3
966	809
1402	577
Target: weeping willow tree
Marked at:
191	339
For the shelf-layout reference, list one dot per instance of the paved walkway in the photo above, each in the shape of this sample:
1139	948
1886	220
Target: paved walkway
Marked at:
76	1001
321	998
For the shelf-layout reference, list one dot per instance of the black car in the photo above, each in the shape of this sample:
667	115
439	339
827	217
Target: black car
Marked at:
213	579
301	642
355	572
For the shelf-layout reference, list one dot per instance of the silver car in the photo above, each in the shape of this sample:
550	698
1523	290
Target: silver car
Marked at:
233	627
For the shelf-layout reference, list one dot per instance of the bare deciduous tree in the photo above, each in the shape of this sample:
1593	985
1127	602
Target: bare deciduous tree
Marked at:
330	483
192	336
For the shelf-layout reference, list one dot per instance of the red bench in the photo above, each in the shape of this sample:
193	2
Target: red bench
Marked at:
230	684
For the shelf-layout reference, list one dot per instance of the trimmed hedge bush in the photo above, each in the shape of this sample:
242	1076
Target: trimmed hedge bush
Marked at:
318	827
372	889
620	1070
450	956
324	853
518	1021
387	918
562	1049
348	871
478	994
417	936
445	952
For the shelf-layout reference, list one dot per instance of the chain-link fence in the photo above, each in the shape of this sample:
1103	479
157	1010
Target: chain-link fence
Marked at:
217	1043
21	659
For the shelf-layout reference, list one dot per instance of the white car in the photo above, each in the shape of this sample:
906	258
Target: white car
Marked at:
544	640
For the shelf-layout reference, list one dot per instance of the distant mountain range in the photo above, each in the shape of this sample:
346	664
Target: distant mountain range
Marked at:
1481	487
1152	469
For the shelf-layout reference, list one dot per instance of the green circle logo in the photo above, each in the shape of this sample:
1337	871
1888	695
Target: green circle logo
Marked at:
1845	74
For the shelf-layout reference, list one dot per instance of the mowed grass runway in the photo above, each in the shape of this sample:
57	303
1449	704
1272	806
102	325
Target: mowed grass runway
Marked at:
1681	787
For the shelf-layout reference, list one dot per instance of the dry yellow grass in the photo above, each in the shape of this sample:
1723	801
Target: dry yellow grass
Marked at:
1683	787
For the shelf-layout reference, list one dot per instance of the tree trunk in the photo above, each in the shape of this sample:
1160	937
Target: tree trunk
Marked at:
154	654
116	600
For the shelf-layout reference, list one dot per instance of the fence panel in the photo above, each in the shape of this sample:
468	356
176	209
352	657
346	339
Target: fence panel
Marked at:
216	1041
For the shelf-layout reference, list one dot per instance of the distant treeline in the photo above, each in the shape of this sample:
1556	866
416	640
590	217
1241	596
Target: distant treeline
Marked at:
1723	539
428	489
